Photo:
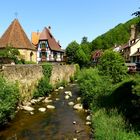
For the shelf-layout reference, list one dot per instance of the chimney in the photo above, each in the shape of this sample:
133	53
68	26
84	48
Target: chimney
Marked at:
133	32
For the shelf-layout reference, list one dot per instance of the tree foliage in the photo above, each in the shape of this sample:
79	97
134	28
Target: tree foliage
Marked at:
119	35
112	64
71	52
79	53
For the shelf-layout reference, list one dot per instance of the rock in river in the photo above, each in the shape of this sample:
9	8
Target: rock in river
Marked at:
78	107
50	107
71	103
42	109
28	108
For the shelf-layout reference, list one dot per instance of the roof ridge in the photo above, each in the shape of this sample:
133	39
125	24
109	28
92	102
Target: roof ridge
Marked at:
12	29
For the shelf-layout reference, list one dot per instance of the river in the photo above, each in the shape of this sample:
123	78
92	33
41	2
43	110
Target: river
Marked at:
61	123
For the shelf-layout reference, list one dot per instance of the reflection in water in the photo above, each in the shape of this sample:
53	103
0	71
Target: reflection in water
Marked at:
54	124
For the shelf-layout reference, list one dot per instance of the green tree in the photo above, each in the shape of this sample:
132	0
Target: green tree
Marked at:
71	52
82	58
112	64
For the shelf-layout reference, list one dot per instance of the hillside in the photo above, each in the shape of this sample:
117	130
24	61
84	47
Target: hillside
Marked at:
118	35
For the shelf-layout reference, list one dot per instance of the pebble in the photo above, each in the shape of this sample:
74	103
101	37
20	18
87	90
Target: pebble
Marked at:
42	109
50	107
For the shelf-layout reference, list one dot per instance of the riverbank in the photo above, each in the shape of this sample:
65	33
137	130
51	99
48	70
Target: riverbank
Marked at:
63	122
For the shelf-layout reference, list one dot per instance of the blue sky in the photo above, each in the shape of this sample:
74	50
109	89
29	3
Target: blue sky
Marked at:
69	19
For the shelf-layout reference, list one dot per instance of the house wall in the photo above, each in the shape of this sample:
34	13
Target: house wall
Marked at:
25	54
134	47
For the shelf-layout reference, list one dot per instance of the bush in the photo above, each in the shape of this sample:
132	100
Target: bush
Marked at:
9	95
44	87
47	70
92	85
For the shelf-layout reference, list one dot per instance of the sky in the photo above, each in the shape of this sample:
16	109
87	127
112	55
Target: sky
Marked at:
69	19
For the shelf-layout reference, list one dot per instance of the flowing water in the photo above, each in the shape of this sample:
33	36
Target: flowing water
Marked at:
54	124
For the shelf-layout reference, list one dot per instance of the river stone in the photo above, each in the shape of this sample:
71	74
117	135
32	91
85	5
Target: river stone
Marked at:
61	88
32	113
68	93
47	100
56	90
78	106
33	101
28	108
50	107
78	98
71	103
88	118
67	97
88	123
42	109
57	99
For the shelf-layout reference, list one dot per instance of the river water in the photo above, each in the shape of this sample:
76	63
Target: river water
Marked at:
54	124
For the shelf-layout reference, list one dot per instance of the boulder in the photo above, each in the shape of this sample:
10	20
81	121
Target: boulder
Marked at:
78	98
50	107
57	99
71	103
28	108
78	106
88	118
42	109
68	93
88	123
33	101
67	97
47	100
61	88
56	90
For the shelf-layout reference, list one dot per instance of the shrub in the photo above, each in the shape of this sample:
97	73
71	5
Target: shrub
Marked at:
9	95
92	85
47	70
44	87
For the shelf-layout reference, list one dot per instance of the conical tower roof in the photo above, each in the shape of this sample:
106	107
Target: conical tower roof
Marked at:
16	36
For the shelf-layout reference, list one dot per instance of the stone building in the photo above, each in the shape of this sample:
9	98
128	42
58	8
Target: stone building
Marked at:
48	49
17	38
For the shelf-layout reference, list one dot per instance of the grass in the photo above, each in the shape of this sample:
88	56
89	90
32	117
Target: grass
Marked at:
111	126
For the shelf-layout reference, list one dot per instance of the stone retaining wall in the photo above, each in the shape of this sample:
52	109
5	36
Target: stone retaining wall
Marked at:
28	76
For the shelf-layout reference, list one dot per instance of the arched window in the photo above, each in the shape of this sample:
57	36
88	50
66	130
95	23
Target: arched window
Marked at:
31	55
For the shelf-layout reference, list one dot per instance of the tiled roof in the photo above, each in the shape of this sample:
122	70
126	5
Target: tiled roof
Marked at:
96	54
16	36
35	38
46	35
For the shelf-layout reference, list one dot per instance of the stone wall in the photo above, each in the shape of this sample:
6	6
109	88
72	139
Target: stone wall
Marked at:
62	72
26	75
29	75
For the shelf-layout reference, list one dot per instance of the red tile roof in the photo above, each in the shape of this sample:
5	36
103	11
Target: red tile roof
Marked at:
46	35
16	36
